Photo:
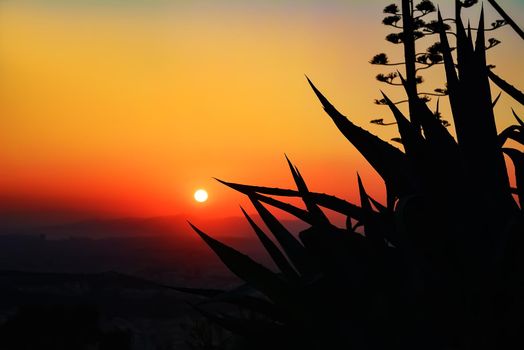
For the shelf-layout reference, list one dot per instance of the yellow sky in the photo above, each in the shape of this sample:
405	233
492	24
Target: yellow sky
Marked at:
129	109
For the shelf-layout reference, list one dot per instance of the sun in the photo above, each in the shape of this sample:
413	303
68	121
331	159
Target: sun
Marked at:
201	195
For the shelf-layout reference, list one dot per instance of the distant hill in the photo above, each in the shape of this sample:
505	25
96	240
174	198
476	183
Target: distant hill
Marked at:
163	249
175	226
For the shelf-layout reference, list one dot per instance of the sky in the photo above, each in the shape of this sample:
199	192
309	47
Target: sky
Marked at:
125	108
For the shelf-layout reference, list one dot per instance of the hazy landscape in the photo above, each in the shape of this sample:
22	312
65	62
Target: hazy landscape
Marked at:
123	269
163	249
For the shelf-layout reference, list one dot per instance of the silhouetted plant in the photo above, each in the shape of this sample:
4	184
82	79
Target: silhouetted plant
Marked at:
414	22
440	265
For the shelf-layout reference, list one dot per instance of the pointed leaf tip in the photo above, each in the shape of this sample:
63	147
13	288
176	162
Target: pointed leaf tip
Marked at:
219	180
496	100
517	117
323	100
198	231
480	42
401	78
303	190
364	198
287	159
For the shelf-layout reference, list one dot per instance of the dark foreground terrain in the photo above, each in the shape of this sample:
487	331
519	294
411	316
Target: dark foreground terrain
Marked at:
109	285
92	311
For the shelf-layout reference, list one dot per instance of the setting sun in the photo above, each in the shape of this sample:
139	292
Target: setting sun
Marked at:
201	195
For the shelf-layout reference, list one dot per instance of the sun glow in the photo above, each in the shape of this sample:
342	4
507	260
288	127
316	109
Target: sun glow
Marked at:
201	196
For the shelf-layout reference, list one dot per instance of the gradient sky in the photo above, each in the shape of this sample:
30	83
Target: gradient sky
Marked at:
124	108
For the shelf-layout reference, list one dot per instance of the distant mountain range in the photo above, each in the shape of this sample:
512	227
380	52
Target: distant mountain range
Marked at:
145	227
164	249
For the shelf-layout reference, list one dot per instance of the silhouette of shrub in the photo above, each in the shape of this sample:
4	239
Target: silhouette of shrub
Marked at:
440	265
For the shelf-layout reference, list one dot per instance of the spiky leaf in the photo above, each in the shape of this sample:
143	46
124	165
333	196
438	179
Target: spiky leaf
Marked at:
317	215
327	201
248	270
507	87
291	246
411	139
387	160
275	253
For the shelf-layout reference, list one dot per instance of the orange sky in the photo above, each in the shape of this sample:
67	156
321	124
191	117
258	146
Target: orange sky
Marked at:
125	108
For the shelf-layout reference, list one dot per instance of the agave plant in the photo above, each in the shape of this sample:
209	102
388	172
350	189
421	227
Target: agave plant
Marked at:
440	265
